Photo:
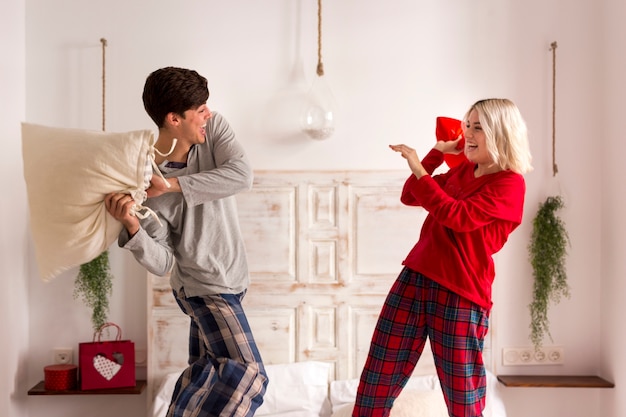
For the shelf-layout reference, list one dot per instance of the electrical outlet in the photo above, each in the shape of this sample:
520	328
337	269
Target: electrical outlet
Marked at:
141	356
545	355
63	356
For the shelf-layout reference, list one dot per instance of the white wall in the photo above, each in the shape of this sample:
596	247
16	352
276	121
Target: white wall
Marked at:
613	266
393	70
14	311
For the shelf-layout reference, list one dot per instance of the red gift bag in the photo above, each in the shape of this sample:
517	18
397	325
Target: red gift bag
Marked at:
107	364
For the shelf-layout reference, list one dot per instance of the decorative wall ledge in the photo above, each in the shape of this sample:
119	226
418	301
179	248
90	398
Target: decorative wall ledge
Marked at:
555	381
39	389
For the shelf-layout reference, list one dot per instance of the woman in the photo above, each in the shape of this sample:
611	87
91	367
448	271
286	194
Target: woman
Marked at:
444	289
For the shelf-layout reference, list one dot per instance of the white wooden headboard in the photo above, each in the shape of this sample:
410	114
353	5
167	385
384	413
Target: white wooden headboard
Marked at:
324	247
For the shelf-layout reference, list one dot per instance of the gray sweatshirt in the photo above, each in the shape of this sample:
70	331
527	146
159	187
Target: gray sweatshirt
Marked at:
200	225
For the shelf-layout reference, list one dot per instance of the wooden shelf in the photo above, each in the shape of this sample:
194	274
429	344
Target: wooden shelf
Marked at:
556	381
137	389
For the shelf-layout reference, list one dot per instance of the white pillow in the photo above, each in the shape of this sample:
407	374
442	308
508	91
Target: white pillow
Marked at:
410	403
343	393
163	396
68	172
494	405
298	386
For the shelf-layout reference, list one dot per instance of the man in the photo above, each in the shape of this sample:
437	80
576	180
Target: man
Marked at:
204	167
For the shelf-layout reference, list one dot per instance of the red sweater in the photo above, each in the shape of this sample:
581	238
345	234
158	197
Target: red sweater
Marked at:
469	219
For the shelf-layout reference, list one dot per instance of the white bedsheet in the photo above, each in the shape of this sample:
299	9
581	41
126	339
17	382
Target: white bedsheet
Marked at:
302	389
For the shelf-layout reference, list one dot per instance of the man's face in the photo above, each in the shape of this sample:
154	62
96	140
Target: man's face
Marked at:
193	126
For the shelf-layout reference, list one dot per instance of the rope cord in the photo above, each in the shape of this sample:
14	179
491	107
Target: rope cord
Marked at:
137	208
104	44
555	168
320	65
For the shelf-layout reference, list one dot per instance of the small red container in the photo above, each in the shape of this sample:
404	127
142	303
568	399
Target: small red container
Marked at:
60	377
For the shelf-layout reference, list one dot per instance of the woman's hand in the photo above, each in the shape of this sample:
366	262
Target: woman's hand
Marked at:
410	155
449	146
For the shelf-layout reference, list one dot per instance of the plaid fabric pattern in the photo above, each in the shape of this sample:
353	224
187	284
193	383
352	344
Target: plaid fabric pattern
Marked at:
418	308
225	376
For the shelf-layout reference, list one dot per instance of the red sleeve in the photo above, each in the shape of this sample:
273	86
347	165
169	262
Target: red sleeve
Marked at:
465	205
431	161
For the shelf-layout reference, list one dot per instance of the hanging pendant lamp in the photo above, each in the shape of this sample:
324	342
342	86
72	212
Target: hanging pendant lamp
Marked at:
318	117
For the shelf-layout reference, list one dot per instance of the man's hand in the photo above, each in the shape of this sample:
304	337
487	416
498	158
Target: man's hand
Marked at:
119	207
158	187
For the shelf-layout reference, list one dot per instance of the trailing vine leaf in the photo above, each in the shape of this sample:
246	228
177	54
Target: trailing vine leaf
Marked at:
94	283
548	250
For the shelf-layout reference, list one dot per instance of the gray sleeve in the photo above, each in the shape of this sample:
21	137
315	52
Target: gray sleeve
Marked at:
223	168
150	246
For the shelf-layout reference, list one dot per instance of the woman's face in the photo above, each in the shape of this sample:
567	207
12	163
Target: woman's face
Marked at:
476	141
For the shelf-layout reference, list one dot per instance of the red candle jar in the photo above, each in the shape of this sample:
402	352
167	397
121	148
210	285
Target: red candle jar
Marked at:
60	377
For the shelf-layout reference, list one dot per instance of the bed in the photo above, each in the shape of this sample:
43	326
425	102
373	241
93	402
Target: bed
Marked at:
323	248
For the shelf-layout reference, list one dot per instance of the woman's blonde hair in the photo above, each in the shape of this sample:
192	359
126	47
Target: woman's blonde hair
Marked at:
506	133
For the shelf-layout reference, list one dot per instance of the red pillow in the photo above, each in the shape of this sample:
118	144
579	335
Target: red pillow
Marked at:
450	129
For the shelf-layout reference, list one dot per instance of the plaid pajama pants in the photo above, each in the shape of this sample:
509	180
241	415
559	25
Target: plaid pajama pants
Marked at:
225	376
417	308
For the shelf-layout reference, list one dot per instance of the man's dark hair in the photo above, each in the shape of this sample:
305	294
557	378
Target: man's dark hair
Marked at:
172	89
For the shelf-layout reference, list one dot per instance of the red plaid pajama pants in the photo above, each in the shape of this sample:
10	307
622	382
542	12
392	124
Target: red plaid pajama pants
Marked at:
416	308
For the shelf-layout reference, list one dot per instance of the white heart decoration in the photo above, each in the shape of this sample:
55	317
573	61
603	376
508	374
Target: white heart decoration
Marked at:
106	367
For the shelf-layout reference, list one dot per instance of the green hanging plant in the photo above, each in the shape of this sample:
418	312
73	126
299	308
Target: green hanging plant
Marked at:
548	250
94	283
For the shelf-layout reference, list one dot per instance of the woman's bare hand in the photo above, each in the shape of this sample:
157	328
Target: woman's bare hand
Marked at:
449	146
410	155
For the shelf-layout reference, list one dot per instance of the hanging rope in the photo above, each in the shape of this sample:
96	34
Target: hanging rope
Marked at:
104	44
94	279
555	168
320	65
